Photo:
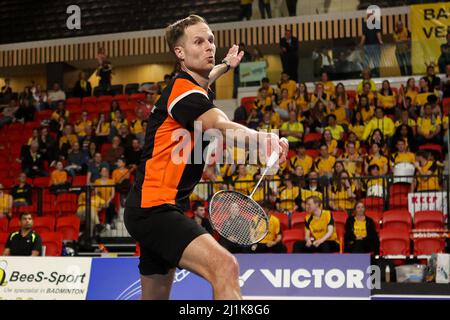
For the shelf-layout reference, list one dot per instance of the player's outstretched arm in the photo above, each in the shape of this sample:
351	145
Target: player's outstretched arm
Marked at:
233	58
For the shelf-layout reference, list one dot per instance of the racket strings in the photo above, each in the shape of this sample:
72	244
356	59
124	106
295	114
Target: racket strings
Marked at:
238	218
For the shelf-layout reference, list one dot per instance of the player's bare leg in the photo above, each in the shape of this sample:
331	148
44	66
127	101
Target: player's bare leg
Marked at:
157	286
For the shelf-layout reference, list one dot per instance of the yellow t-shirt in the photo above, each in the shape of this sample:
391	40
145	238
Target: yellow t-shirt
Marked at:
243	187
118	174
428	183
332	146
136	127
426	125
328	87
388	102
341	199
380	162
367	115
341	115
6	201
410	123
274	230
290	86
302	103
284	104
58	177
287	197
359	228
306	163
105	192
336	132
358	130
71	139
398	157
295	127
81	127
104	128
325	166
319	226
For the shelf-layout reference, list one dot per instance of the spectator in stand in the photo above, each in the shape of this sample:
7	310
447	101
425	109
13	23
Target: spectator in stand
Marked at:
105	189
367	111
32	162
58	179
328	86
427	173
293	130
264	8
319	95
366	77
246	9
77	161
289	55
114	152
410	91
336	130
284	104
94	167
102	129
136	125
243	181
375	157
402	38
121	177
445	83
302	99
104	72
40	99
428	127
405	133
82	123
199	211
357	126
59	117
406	120
325	162
265	83
55	96
25	95
371	41
22	192
47	146
82	87
433	80
425	90
133	154
371	95
25	112
312	188
116	122
8	114
343	193
271	121
386	98
330	142
126	138
24	242
96	205
288	196
381	122
292	7
300	159
360	232
6	92
148	104
67	140
444	58
263	100
320	233
402	155
113	107
6	203
254	119
341	100
352	160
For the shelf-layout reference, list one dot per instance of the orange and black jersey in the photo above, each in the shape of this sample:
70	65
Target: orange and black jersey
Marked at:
159	178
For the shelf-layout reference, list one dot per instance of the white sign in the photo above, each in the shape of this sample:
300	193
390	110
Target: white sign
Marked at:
44	278
423	201
443	268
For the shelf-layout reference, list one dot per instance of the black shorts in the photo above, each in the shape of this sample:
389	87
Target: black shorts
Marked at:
163	232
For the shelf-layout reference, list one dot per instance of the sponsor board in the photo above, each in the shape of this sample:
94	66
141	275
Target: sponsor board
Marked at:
431	200
44	278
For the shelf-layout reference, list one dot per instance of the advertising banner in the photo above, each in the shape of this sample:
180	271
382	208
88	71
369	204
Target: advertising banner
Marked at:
119	279
252	71
44	278
302	276
429	24
423	201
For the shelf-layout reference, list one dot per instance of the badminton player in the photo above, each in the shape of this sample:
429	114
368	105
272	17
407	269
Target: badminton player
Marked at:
153	214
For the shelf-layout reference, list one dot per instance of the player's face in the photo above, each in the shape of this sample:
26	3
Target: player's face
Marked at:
197	48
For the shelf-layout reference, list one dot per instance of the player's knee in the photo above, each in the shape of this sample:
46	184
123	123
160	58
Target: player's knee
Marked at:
227	268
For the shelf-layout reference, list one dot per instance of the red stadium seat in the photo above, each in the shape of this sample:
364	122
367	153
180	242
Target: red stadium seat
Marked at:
429	220
376	216
92	100
340	217
3	240
284	220
400	219
312	153
446	105
399	188
69	226
298	220
291	236
433	147
106	99
428	246
398	201
311	137
394	241
137	96
373	203
14	225
79	181
121	98
41	181
73	103
52	242
3	225
44	224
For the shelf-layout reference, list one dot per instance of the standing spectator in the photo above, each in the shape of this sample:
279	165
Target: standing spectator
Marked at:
320	233
94	167
32	161
101	56
104	72
292	7
24	242
6	92
133	154
402	38
246	9
444	58
360	232
200	216
289	54
22	192
8	114
106	191
264	7
55	96
82	87
371	41
6	203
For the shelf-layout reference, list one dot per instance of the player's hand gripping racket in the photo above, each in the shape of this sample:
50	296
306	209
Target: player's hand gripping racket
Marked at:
237	217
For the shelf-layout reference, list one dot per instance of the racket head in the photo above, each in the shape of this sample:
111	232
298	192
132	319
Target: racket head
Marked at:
238	218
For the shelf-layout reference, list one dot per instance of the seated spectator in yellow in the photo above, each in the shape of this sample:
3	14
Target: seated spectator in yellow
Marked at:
427	173
6	203
302	99
402	155
325	162
289	85
336	130
376	158
386	98
288	196
243	182
292	130
381	122
371	95
366	78
328	86
300	159
82	123
263	100
367	110
331	143
58	178
342	193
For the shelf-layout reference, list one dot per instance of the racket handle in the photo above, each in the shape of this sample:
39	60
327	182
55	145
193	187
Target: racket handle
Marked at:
272	159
